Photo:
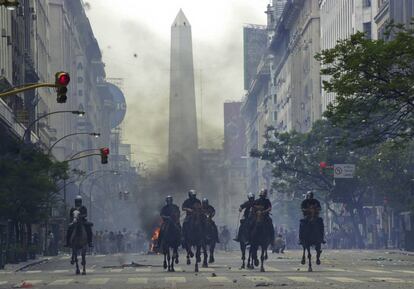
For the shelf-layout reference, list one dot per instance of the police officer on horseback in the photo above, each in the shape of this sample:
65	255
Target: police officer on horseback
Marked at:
263	206
311	207
247	207
170	212
210	212
188	206
83	214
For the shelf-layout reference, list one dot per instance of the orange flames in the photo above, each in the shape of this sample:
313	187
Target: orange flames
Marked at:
154	240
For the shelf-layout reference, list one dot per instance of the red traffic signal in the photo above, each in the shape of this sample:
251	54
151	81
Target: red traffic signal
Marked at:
104	155
62	80
323	165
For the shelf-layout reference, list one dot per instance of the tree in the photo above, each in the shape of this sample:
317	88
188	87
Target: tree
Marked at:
374	84
28	187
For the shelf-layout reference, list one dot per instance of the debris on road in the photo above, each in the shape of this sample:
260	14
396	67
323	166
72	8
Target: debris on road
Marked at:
24	284
213	275
130	265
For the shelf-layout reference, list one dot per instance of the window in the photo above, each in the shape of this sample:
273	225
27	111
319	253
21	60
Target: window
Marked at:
274	116
366	3
367	30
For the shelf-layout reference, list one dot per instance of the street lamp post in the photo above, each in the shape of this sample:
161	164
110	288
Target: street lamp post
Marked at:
26	135
95	134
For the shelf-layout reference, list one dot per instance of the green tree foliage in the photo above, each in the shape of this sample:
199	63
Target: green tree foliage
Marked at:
28	187
374	84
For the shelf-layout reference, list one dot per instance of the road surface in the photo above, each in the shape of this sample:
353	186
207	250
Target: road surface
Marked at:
339	269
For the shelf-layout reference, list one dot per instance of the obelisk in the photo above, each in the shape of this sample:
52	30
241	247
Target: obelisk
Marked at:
183	154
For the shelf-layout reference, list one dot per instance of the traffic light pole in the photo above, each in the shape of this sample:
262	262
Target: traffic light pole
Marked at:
26	88
81	157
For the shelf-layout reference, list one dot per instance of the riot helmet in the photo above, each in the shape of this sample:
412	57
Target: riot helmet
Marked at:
169	200
263	194
309	195
192	194
250	196
205	201
78	201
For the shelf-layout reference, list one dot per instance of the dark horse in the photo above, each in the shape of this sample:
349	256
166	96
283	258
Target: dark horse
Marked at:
195	235
260	236
170	241
310	235
78	242
209	242
243	239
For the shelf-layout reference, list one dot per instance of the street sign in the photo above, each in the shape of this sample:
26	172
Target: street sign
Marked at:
344	171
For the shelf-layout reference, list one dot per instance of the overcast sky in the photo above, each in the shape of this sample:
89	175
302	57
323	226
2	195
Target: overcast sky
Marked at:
142	27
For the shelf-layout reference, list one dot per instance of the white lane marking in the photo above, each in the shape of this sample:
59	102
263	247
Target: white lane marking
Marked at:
271	269
388	279
404	271
98	281
6	272
33	282
301	279
344	279
178	269
259	279
336	270
218	279
206	270
65	258
175	280
137	281
61	282
143	270
99	256
116	270
90	270
3	282
33	272
60	271
376	271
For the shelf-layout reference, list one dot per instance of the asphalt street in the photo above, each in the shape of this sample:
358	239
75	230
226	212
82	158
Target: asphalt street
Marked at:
339	269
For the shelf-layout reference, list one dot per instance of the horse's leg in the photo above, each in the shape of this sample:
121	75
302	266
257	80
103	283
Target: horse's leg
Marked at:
243	251
176	254
309	259
84	261
303	262
212	247
164	265
172	260
198	257
72	259
169	259
250	259
262	258
318	253
254	255
76	262
188	249
205	256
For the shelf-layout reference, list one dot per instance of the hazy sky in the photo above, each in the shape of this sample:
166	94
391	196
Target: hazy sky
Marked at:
142	27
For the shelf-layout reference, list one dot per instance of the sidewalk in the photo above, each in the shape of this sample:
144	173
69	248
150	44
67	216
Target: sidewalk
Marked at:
24	265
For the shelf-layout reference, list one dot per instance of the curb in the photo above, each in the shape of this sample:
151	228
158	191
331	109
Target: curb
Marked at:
32	264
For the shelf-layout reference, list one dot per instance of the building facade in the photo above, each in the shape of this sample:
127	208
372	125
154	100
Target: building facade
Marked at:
341	19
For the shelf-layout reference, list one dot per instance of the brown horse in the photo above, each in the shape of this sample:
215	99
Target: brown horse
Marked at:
260	236
311	235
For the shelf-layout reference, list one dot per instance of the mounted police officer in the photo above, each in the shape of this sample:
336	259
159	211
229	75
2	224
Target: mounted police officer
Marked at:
188	206
170	212
210	212
263	206
247	207
83	215
311	207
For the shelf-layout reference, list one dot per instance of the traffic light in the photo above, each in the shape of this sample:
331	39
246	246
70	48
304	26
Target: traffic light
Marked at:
104	155
62	80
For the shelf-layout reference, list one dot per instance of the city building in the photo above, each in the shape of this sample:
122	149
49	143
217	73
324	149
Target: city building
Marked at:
295	86
398	11
339	20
